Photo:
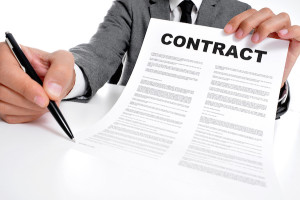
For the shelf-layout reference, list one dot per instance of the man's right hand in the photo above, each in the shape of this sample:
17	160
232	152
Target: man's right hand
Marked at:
21	98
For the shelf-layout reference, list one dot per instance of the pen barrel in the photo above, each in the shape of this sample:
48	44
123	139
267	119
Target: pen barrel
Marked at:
54	110
23	59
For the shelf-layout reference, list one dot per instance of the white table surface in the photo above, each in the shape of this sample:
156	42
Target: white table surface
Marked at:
37	161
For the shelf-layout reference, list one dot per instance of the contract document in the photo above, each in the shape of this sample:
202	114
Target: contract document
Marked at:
200	106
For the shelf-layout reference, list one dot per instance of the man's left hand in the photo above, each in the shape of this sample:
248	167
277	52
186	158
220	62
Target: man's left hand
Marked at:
266	24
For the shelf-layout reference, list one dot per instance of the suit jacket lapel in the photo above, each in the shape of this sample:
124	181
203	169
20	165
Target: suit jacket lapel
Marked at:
207	13
160	9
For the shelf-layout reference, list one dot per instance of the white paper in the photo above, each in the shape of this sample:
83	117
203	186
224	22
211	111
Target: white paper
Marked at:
198	115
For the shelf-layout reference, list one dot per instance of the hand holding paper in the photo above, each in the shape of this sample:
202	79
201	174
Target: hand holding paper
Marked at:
267	24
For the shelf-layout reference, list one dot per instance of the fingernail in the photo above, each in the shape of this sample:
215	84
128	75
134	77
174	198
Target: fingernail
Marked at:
228	28
40	101
239	33
255	37
54	89
283	32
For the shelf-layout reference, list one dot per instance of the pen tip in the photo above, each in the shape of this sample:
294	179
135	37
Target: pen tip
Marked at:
73	139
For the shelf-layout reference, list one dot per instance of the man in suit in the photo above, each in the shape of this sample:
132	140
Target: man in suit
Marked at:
119	38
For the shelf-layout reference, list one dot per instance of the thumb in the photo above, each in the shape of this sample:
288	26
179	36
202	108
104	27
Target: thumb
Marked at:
60	77
292	32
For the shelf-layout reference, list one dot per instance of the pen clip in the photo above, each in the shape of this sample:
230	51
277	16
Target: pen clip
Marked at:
11	48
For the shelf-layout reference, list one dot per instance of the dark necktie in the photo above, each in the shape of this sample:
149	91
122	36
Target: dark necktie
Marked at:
186	8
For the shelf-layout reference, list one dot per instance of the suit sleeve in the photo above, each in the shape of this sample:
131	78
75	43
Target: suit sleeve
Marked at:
100	58
283	105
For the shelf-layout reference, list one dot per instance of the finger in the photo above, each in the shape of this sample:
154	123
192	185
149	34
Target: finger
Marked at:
60	77
17	80
39	60
292	32
11	97
274	24
9	109
235	22
253	21
11	119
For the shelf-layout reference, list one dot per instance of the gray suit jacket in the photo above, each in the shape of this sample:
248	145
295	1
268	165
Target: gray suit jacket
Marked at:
120	37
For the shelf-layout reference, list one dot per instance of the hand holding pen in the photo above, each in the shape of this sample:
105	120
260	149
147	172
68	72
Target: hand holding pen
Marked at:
23	99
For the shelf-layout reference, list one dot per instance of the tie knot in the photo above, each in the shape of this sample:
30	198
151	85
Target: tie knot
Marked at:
186	6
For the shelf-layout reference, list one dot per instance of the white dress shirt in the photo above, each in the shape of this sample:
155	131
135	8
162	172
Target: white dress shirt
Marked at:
80	87
175	10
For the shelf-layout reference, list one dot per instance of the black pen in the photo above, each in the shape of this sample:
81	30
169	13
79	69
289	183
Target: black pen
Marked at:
26	66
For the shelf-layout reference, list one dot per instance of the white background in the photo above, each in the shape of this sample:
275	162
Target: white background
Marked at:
62	24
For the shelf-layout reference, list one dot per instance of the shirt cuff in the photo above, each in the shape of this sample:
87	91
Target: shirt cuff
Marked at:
80	85
284	93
